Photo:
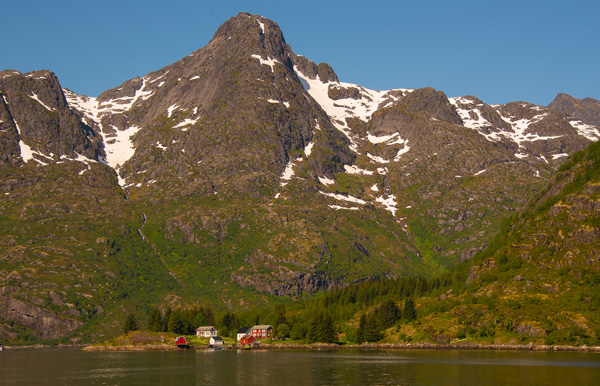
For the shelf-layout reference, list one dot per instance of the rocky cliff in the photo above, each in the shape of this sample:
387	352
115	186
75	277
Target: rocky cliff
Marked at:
587	109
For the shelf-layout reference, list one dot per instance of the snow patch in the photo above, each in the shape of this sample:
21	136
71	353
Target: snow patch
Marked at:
26	152
262	26
337	207
377	159
521	155
587	131
341	197
37	99
557	156
288	173
520	126
466	114
383	139
121	149
308	148
170	110
269	61
351	169
389	203
326	181
159	78
186	122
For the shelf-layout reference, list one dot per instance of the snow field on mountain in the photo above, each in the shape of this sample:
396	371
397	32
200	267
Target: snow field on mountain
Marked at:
339	110
590	132
117	146
472	117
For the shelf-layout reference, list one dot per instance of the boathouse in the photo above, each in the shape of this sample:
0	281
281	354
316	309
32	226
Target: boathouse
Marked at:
215	341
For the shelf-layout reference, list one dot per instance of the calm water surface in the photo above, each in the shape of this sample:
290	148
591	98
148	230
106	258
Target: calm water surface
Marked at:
277	368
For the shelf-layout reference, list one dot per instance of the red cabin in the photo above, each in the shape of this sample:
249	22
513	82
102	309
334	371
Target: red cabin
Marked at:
248	339
181	342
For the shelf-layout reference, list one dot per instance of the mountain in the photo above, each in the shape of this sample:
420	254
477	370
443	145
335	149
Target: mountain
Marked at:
245	171
587	109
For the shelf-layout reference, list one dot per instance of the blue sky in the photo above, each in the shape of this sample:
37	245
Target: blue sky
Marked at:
499	51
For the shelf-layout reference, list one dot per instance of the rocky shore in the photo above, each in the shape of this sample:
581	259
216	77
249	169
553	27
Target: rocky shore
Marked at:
143	347
365	346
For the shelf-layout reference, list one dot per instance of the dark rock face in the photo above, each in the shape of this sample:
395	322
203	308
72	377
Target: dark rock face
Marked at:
9	136
323	70
46	323
38	110
587	109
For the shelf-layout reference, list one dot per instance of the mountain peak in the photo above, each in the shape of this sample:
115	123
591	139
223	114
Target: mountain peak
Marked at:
254	34
587	110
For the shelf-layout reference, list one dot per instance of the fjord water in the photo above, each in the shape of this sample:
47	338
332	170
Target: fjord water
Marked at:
352	367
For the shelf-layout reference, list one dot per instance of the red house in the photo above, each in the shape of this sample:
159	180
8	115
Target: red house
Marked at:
262	331
248	339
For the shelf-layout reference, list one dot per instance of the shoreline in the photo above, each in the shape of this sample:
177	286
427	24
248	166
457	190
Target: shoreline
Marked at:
333	346
433	346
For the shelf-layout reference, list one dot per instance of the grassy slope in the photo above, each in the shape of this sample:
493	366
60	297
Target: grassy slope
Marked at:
539	280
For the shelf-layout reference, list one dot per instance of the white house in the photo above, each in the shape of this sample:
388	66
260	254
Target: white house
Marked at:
206	332
215	341
242	332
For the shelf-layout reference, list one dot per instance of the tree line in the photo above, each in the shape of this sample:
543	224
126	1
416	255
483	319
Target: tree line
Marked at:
361	311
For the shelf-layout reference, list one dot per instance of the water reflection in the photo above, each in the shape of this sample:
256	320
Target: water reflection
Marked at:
230	367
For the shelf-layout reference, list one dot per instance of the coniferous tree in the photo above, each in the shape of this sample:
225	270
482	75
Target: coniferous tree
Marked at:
368	330
299	330
130	323
421	286
360	332
321	329
166	318
409	313
328	331
198	320
175	323
209	315
387	314
283	330
279	315
155	322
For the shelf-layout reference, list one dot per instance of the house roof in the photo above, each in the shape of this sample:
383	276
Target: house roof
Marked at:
244	330
205	328
262	327
217	338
